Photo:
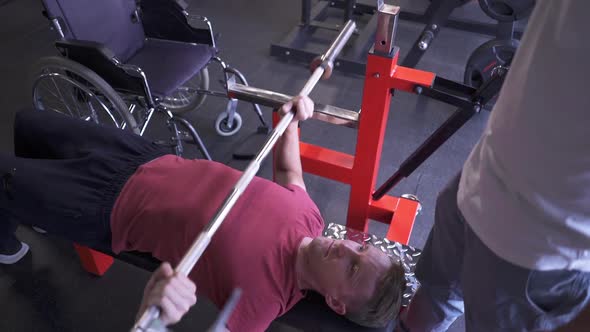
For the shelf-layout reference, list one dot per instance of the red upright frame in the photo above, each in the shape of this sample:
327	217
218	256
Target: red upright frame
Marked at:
360	170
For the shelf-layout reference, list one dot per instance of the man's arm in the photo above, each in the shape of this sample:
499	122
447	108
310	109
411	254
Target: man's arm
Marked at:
287	161
173	293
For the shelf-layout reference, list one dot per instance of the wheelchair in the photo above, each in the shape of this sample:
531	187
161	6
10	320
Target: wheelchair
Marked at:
123	60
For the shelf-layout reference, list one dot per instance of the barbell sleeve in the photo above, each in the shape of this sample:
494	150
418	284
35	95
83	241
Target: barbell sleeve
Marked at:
336	46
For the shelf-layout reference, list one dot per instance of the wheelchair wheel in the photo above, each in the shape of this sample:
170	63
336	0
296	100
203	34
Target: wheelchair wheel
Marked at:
65	86
224	128
183	100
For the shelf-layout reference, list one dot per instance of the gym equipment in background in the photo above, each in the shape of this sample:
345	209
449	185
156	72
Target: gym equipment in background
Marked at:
497	53
301	43
304	42
437	16
493	55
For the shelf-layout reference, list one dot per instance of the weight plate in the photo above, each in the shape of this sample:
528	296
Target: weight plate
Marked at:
485	59
507	10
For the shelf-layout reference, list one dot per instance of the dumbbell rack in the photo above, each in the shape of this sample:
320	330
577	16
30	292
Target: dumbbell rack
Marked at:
437	16
297	44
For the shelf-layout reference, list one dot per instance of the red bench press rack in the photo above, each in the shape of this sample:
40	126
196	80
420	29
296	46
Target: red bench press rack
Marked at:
360	170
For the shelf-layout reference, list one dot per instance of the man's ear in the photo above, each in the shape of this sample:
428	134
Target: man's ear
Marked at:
338	306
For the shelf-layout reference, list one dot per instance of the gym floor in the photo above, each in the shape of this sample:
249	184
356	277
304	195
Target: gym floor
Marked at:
49	291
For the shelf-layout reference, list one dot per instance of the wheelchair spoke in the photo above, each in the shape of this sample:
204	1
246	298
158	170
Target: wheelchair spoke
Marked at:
181	97
63	86
61	96
51	92
93	114
51	101
74	99
184	97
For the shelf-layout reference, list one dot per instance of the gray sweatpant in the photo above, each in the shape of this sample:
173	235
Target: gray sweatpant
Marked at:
459	274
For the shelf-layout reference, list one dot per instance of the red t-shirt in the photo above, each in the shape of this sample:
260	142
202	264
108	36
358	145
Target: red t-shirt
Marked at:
167	202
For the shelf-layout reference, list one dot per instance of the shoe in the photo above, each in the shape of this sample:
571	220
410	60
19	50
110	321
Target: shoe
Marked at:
12	253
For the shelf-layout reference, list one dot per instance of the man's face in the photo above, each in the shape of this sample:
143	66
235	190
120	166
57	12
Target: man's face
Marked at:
346	270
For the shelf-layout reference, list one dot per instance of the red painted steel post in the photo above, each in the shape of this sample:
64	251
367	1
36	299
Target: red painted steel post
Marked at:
400	227
371	131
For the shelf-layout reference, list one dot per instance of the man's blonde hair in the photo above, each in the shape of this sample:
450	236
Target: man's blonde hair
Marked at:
386	301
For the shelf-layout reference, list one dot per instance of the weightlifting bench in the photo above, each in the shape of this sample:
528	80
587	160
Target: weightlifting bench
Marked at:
311	314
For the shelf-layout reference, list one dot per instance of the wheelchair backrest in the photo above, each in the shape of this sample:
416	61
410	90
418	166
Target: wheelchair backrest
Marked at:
112	23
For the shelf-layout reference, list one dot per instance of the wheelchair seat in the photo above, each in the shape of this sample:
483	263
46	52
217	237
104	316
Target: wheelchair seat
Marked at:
169	64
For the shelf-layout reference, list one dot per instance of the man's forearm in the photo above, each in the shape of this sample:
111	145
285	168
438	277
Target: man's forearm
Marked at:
287	161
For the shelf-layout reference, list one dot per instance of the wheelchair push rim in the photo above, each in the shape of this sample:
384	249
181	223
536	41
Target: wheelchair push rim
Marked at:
67	87
187	98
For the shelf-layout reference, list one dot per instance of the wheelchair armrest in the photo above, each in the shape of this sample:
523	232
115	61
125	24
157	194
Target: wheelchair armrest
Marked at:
168	20
182	4
80	50
101	60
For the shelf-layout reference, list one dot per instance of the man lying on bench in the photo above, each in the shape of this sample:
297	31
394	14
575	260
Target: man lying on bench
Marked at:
95	185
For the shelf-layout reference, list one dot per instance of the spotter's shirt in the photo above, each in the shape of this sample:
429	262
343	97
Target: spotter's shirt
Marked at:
525	188
167	202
